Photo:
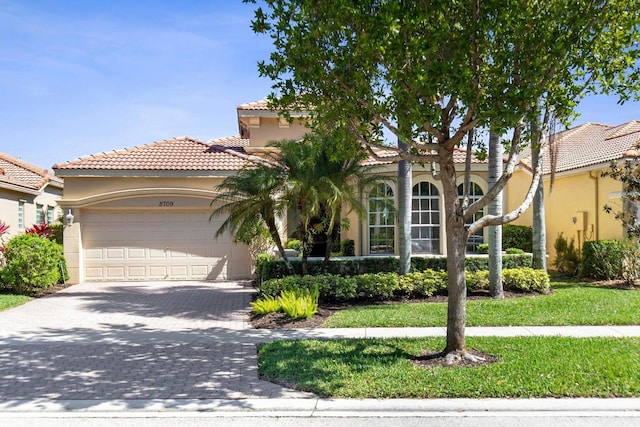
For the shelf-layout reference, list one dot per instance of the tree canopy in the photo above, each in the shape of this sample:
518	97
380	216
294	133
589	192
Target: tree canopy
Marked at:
430	71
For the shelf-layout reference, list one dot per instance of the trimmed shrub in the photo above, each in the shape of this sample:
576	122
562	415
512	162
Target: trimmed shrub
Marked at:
514	251
378	286
477	280
268	268
517	236
423	284
525	280
330	287
32	262
602	259
348	247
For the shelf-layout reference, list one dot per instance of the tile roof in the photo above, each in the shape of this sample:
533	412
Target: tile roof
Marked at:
590	144
18	172
231	141
459	156
255	106
177	154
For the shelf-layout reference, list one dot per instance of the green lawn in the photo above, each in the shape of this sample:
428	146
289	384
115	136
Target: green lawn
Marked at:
569	304
8	301
528	367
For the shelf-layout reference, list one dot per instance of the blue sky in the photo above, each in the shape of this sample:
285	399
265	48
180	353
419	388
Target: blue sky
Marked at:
84	76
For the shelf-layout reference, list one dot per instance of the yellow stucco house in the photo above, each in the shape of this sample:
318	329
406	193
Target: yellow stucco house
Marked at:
142	213
28	195
574	204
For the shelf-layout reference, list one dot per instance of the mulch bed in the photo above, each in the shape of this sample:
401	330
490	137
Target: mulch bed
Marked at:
282	321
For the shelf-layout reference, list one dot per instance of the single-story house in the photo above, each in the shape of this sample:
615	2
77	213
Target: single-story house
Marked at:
142	213
28	195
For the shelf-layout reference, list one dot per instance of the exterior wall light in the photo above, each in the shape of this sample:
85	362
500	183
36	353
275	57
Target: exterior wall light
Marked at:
69	218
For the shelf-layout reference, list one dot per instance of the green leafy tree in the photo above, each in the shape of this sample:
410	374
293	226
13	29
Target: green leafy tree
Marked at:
431	71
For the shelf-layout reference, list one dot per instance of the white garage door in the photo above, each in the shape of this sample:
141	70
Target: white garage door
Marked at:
158	245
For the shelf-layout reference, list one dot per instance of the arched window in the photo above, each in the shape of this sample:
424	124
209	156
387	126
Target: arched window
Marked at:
382	220
475	193
425	219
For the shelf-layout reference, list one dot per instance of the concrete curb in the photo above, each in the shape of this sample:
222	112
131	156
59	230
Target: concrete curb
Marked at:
326	407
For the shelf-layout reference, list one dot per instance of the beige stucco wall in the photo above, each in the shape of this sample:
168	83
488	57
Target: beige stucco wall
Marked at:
270	129
127	193
574	207
9	201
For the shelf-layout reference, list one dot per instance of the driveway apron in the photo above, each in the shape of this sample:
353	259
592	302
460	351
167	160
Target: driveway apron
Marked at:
146	340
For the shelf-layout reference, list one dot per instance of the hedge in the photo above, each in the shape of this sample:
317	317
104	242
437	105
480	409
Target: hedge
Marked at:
267	268
517	236
388	286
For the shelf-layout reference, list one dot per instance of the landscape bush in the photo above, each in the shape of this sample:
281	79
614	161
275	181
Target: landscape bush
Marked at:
602	259
567	257
422	284
269	268
31	262
299	303
525	280
390	286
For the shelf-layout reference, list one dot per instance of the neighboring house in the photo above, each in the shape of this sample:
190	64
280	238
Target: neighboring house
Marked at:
143	213
28	194
574	206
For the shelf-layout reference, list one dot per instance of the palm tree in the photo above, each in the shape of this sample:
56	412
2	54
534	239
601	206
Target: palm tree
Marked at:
322	177
250	200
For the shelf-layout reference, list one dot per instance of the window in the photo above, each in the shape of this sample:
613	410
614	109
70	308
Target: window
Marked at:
425	219
51	214
39	214
475	193
382	220
20	215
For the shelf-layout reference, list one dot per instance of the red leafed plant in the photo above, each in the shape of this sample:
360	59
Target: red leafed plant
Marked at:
3	228
42	230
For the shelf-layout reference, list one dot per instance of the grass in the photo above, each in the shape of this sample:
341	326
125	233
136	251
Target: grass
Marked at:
528	367
569	304
8	301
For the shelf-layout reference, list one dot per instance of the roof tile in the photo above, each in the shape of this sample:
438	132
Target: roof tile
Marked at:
589	144
18	172
183	153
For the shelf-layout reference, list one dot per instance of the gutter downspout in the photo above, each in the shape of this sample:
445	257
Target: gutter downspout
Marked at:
597	214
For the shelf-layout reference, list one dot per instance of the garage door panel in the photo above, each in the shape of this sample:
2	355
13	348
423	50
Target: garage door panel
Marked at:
152	245
116	253
116	273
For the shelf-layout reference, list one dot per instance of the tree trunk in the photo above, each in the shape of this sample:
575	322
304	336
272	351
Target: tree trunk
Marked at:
539	226
275	235
404	213
456	251
495	208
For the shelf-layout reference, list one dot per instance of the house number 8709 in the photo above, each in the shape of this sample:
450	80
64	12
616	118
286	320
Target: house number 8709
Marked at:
166	204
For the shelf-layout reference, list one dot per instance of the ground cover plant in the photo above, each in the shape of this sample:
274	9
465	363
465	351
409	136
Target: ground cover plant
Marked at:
525	367
569	304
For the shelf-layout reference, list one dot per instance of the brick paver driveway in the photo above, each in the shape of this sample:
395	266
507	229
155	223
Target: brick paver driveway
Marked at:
149	340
